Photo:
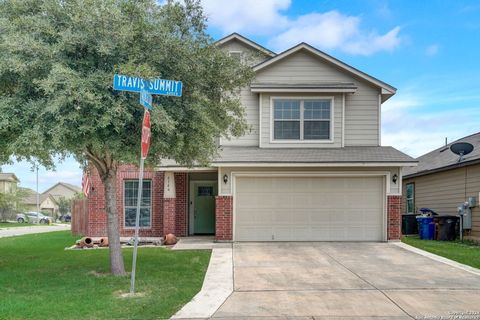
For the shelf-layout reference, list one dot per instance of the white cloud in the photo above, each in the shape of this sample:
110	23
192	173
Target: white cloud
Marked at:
409	124
328	30
251	16
334	30
431	50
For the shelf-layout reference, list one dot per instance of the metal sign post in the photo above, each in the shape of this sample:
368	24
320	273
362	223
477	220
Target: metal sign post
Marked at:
146	88
145	145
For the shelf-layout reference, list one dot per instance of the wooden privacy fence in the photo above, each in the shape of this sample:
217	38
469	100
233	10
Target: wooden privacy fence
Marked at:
79	216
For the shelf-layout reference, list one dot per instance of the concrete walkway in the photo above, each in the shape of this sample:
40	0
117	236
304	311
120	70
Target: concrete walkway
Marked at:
18	231
346	281
217	286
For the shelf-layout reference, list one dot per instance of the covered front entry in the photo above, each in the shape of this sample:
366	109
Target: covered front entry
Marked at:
202	207
289	208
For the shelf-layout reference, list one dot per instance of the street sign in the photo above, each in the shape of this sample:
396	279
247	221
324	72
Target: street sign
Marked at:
146	88
146	99
145	134
154	86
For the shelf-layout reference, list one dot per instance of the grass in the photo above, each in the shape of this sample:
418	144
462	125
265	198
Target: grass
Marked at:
40	280
17	225
466	252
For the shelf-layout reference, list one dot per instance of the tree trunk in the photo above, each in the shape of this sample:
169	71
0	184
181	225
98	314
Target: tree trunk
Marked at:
113	232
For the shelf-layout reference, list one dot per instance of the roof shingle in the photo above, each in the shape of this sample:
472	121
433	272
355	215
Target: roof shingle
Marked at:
442	158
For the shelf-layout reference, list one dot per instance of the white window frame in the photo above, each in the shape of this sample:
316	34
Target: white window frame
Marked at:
412	198
151	204
236	52
302	99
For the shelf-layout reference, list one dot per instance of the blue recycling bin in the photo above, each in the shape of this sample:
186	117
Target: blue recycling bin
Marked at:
426	228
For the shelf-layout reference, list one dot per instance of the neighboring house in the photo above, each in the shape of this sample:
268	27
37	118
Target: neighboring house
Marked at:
63	190
442	183
46	202
49	199
310	169
8	182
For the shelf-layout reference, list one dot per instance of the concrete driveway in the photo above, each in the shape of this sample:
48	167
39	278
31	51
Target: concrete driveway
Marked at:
346	281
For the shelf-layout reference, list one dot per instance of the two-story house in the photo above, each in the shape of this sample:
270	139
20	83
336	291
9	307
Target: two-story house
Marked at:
310	169
8	182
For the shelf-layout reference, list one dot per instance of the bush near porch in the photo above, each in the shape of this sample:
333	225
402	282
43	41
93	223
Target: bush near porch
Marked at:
41	280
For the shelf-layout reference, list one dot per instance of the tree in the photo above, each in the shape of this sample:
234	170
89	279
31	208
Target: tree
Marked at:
64	205
57	60
10	203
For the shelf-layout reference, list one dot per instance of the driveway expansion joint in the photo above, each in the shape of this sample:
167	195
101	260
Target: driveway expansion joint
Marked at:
368	282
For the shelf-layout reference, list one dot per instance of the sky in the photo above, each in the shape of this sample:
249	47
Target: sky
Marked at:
428	50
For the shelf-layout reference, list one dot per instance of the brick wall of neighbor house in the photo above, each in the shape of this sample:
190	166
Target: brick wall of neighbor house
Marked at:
223	218
394	217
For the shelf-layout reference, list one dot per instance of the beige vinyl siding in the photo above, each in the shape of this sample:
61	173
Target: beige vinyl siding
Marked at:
361	107
250	102
362	117
249	99
250	55
266	121
445	191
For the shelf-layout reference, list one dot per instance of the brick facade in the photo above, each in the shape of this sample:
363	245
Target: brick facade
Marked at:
394	217
181	204
97	217
223	218
170	215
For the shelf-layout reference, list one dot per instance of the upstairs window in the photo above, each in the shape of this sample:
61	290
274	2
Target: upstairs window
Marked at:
302	119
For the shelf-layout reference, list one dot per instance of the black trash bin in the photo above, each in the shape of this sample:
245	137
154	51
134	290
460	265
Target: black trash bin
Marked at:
447	227
409	223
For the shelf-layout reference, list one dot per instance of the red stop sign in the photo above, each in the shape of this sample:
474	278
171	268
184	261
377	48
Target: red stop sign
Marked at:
145	134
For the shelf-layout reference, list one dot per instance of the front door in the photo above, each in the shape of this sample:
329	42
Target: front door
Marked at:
204	207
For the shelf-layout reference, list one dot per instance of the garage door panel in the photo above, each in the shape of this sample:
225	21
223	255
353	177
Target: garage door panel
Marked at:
283	216
280	200
302	201
309	209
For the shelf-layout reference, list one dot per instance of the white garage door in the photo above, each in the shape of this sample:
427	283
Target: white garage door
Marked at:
309	209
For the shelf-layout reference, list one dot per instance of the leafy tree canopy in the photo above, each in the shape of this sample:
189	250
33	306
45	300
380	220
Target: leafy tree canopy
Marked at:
57	60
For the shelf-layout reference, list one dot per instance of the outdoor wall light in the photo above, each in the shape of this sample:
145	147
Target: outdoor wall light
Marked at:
395	178
225	179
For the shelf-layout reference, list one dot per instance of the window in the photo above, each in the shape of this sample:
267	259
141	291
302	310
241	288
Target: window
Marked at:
410	198
205	191
287	119
236	55
302	119
130	203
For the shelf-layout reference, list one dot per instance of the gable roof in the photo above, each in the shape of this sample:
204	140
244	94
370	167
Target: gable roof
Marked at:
442	158
387	90
31	196
8	177
66	185
248	42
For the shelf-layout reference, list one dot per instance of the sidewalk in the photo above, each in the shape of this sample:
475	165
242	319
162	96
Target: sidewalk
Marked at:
18	231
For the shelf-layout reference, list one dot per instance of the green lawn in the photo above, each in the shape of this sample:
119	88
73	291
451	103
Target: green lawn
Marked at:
16	225
467	252
40	280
